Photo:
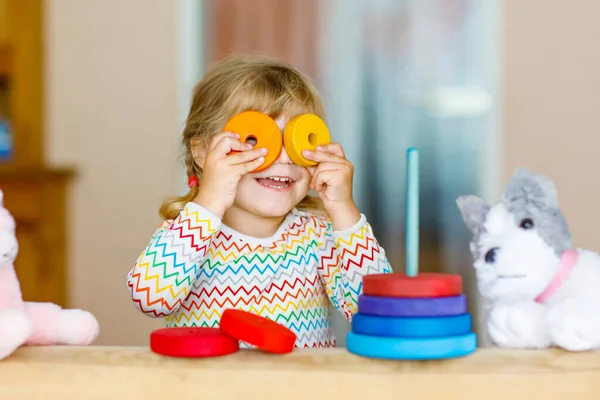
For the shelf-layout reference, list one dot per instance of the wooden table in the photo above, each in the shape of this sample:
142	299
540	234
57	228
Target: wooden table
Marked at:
111	373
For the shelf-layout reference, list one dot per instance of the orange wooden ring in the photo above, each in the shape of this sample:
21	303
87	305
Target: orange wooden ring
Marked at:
304	132
262	128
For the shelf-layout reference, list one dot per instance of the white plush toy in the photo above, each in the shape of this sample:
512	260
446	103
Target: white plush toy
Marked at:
26	323
541	291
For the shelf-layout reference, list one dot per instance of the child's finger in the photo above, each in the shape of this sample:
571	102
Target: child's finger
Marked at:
324	178
333	148
246	156
218	137
323	167
327	166
228	144
320	156
250	166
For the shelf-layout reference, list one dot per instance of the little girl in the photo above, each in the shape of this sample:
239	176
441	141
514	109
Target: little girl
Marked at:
257	241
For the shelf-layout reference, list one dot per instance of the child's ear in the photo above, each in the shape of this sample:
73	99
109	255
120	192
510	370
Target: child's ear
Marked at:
198	152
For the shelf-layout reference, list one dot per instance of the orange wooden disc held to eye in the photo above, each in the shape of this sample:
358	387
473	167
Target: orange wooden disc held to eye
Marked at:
423	285
192	342
304	132
260	127
261	332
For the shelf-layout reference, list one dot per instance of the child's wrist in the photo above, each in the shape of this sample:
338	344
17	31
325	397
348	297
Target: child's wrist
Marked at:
344	216
214	208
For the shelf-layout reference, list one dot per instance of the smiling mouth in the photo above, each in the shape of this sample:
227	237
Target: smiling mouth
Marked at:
512	276
276	182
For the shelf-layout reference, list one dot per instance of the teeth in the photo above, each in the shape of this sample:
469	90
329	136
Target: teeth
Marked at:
278	179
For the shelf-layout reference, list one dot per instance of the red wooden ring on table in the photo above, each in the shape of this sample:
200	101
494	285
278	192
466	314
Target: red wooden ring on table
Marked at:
265	334
192	342
422	285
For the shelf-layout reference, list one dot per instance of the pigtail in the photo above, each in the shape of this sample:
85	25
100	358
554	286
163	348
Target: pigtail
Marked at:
171	208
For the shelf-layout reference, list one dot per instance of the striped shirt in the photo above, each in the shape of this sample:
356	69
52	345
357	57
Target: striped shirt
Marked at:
195	267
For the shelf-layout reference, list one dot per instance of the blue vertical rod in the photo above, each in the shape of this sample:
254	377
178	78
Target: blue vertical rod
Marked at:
412	212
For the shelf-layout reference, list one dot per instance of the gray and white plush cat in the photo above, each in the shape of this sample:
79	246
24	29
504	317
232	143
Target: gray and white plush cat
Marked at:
541	291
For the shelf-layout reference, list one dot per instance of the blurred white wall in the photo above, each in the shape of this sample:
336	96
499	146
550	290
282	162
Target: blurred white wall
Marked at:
551	100
112	112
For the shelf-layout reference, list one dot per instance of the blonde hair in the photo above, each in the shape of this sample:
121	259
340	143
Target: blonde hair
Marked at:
237	84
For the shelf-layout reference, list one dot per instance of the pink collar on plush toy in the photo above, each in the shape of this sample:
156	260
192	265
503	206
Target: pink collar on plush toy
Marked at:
567	262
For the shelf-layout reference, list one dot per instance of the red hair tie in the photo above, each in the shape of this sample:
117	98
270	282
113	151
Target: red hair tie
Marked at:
193	181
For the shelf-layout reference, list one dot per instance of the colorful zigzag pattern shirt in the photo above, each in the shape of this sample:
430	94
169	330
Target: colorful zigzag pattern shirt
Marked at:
195	267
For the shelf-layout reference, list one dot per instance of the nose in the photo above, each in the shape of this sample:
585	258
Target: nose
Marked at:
284	158
490	256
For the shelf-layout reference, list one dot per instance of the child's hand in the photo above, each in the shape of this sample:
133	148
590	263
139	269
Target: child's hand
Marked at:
222	172
332	179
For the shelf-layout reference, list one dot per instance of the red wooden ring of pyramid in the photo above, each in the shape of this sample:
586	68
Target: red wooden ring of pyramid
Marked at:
423	285
192	342
265	334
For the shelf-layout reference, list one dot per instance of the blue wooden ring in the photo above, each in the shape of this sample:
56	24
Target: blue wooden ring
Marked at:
411	349
412	327
412	307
